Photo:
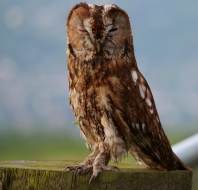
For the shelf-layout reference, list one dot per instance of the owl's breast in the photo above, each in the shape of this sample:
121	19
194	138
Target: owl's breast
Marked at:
89	104
94	86
94	95
86	100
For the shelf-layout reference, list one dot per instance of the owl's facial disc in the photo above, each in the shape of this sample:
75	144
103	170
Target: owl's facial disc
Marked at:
97	30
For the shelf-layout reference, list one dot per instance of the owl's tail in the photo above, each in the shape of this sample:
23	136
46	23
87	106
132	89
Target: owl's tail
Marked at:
178	164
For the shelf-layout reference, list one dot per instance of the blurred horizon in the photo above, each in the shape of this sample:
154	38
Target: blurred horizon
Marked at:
33	77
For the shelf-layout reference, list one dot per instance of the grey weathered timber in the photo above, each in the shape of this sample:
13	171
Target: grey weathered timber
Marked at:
39	175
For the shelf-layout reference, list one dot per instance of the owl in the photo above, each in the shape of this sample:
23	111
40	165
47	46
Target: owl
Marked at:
110	97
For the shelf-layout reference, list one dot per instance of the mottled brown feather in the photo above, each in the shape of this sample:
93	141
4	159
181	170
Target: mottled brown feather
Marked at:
111	99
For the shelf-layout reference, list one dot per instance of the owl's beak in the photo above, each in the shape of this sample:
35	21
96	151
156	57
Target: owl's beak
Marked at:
98	46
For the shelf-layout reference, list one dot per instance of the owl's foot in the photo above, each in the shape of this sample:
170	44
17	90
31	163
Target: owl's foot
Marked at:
101	162
99	169
80	169
86	166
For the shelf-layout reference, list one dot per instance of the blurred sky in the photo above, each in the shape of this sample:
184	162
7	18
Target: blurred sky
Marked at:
33	84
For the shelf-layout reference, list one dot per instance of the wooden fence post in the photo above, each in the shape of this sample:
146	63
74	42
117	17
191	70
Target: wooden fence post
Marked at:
33	176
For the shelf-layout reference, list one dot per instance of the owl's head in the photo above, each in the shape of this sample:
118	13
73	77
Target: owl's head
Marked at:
98	31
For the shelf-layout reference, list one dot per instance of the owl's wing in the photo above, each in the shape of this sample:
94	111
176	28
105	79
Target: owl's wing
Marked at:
135	109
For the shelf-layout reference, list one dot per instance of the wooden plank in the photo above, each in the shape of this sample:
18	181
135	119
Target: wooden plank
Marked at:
46	175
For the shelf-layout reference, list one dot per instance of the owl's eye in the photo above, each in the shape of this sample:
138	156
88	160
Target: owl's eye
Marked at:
113	29
82	30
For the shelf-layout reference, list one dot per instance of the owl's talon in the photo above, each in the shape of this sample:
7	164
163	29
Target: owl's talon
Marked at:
92	178
79	169
84	170
111	168
70	168
103	168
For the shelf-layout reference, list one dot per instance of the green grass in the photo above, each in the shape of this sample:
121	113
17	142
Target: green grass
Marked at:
40	146
52	145
47	145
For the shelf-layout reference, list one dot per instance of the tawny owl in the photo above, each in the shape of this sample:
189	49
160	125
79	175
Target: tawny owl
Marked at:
110	97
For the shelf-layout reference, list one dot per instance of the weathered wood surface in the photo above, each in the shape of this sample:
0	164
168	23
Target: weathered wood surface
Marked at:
49	175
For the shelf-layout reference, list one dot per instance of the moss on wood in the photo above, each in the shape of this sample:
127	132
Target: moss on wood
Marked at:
50	176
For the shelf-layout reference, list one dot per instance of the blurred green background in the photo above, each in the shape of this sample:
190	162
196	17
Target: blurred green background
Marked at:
50	144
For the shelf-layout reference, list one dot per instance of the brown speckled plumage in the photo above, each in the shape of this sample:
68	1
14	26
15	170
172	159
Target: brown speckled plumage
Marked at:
110	97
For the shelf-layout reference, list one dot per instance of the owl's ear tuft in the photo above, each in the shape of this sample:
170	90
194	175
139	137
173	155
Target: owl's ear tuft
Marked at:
83	9
115	11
